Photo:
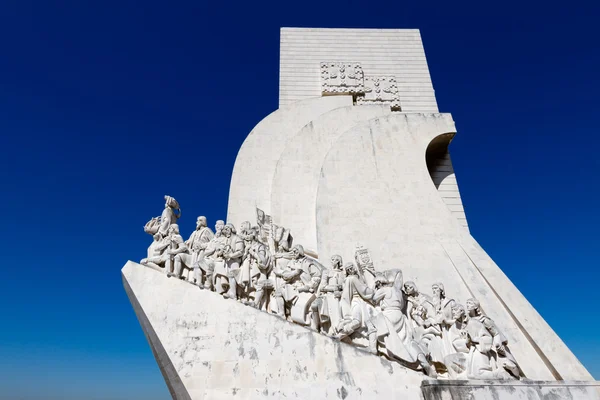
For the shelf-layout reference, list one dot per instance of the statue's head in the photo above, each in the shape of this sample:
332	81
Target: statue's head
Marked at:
171	202
350	269
410	288
228	230
174	229
336	262
473	306
438	290
219	226
380	280
458	311
201	222
420	310
251	234
298	251
245	227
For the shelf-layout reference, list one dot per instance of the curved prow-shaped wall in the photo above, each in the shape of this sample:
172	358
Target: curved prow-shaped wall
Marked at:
294	188
256	161
375	188
385	180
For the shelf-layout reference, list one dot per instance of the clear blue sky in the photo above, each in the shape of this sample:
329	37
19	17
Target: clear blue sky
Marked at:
107	106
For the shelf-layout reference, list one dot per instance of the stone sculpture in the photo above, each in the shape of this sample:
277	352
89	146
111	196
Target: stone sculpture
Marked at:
376	311
231	252
171	213
155	252
326	308
296	284
356	312
212	255
489	356
393	332
252	278
176	246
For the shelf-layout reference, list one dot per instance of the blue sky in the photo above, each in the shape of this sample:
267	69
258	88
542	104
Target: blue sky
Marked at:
107	106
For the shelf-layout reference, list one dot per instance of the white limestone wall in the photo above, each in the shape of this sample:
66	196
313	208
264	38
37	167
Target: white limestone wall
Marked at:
255	164
294	188
397	52
375	188
212	348
444	179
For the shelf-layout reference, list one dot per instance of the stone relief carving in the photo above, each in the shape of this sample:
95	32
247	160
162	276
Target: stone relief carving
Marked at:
171	213
380	90
349	79
377	311
341	78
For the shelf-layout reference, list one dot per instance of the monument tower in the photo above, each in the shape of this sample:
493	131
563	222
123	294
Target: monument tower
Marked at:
345	267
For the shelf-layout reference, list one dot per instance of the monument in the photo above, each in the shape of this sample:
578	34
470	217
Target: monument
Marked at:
345	268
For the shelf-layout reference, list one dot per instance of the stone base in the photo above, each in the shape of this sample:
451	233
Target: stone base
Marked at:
501	390
208	347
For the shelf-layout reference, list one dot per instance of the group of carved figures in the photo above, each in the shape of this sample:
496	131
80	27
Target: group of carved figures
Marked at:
259	266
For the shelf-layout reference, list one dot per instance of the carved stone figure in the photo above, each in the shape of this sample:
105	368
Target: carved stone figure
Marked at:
458	336
219	227
296	284
155	252
176	247
161	224
326	308
233	250
245	229
355	307
276	237
489	356
415	300
212	255
255	270
421	312
196	244
440	346
393	332
169	216
351	302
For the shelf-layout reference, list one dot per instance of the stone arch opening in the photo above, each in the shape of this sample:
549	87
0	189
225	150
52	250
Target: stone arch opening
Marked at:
438	158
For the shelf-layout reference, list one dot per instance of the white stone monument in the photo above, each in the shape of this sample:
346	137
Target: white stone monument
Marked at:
352	273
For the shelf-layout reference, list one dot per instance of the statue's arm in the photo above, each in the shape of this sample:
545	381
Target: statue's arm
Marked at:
206	238
182	248
261	256
379	295
239	250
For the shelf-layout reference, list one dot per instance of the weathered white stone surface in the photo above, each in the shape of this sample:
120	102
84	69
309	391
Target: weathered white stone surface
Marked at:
212	348
498	390
375	188
294	188
257	158
337	174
